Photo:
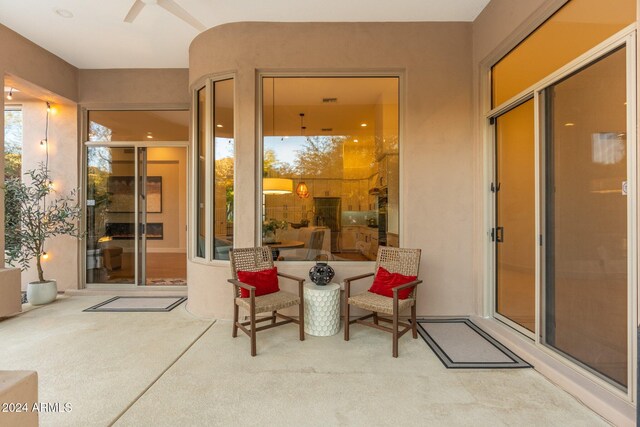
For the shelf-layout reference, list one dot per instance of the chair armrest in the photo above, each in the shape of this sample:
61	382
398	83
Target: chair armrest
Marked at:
354	278
397	288
406	285
288	276
347	284
240	284
300	281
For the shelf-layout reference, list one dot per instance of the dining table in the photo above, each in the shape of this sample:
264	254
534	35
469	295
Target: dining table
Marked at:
284	244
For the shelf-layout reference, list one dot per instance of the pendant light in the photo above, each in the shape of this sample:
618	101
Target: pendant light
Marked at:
302	190
277	186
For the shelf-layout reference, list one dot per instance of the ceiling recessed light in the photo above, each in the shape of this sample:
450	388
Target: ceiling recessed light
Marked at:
364	125
150	136
218	125
355	140
569	124
63	13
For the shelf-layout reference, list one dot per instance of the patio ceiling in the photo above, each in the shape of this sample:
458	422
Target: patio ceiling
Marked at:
96	36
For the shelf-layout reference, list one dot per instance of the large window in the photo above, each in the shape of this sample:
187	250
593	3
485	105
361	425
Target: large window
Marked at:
330	166
12	160
201	169
223	165
580	25
215	148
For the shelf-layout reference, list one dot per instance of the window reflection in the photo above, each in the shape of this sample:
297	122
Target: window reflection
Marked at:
330	166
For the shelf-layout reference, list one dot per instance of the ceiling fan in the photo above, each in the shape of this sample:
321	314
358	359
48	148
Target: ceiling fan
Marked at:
170	6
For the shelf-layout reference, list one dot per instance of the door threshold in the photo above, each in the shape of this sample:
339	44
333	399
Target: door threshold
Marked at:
146	291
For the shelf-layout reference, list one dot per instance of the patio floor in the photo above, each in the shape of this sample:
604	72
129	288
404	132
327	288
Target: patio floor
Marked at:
137	369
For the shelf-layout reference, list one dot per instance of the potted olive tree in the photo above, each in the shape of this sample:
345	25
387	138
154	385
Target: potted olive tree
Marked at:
39	218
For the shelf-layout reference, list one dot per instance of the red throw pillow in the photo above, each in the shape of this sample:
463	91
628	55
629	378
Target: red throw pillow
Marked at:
265	281
384	282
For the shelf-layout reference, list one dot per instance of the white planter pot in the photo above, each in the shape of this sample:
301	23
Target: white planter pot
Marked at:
42	293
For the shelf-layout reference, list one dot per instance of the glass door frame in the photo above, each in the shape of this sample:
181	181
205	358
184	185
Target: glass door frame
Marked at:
625	37
139	264
494	271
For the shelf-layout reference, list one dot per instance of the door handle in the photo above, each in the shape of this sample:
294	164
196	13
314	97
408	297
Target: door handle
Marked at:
499	234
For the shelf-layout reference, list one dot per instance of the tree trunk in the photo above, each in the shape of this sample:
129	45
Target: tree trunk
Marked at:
40	272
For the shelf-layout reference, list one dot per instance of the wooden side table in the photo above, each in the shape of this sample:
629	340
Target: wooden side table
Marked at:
321	309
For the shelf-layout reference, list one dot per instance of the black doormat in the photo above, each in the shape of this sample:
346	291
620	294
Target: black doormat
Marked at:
138	304
460	344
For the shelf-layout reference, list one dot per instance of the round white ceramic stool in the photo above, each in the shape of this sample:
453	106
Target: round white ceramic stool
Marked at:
321	309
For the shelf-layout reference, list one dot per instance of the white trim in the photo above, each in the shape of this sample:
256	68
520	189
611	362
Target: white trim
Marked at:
208	169
192	235
632	216
538	204
136	215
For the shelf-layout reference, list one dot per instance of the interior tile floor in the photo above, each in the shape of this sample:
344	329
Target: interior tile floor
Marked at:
168	267
167	369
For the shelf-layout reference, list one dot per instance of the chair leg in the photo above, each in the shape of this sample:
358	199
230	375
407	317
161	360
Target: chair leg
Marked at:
301	319
395	333
273	317
346	321
375	317
234	334
253	331
414	325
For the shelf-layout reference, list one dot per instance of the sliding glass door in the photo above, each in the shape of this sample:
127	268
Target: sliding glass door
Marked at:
586	221
514	189
136	215
110	215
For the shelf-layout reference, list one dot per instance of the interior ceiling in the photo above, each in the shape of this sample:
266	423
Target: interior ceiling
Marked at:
355	103
97	36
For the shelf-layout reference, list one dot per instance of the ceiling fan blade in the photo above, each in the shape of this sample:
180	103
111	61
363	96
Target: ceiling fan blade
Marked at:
175	9
137	6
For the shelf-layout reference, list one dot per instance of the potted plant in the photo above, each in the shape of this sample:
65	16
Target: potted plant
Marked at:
269	228
39	220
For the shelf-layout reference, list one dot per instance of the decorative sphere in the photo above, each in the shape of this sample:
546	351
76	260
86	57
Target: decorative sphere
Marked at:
321	273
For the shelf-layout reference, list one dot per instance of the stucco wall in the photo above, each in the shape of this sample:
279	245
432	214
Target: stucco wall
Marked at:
434	60
133	86
26	60
63	164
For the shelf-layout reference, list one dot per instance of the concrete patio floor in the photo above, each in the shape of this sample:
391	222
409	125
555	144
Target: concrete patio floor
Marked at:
167	369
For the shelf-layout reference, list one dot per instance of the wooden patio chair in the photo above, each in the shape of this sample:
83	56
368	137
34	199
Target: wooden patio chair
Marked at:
394	260
253	260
